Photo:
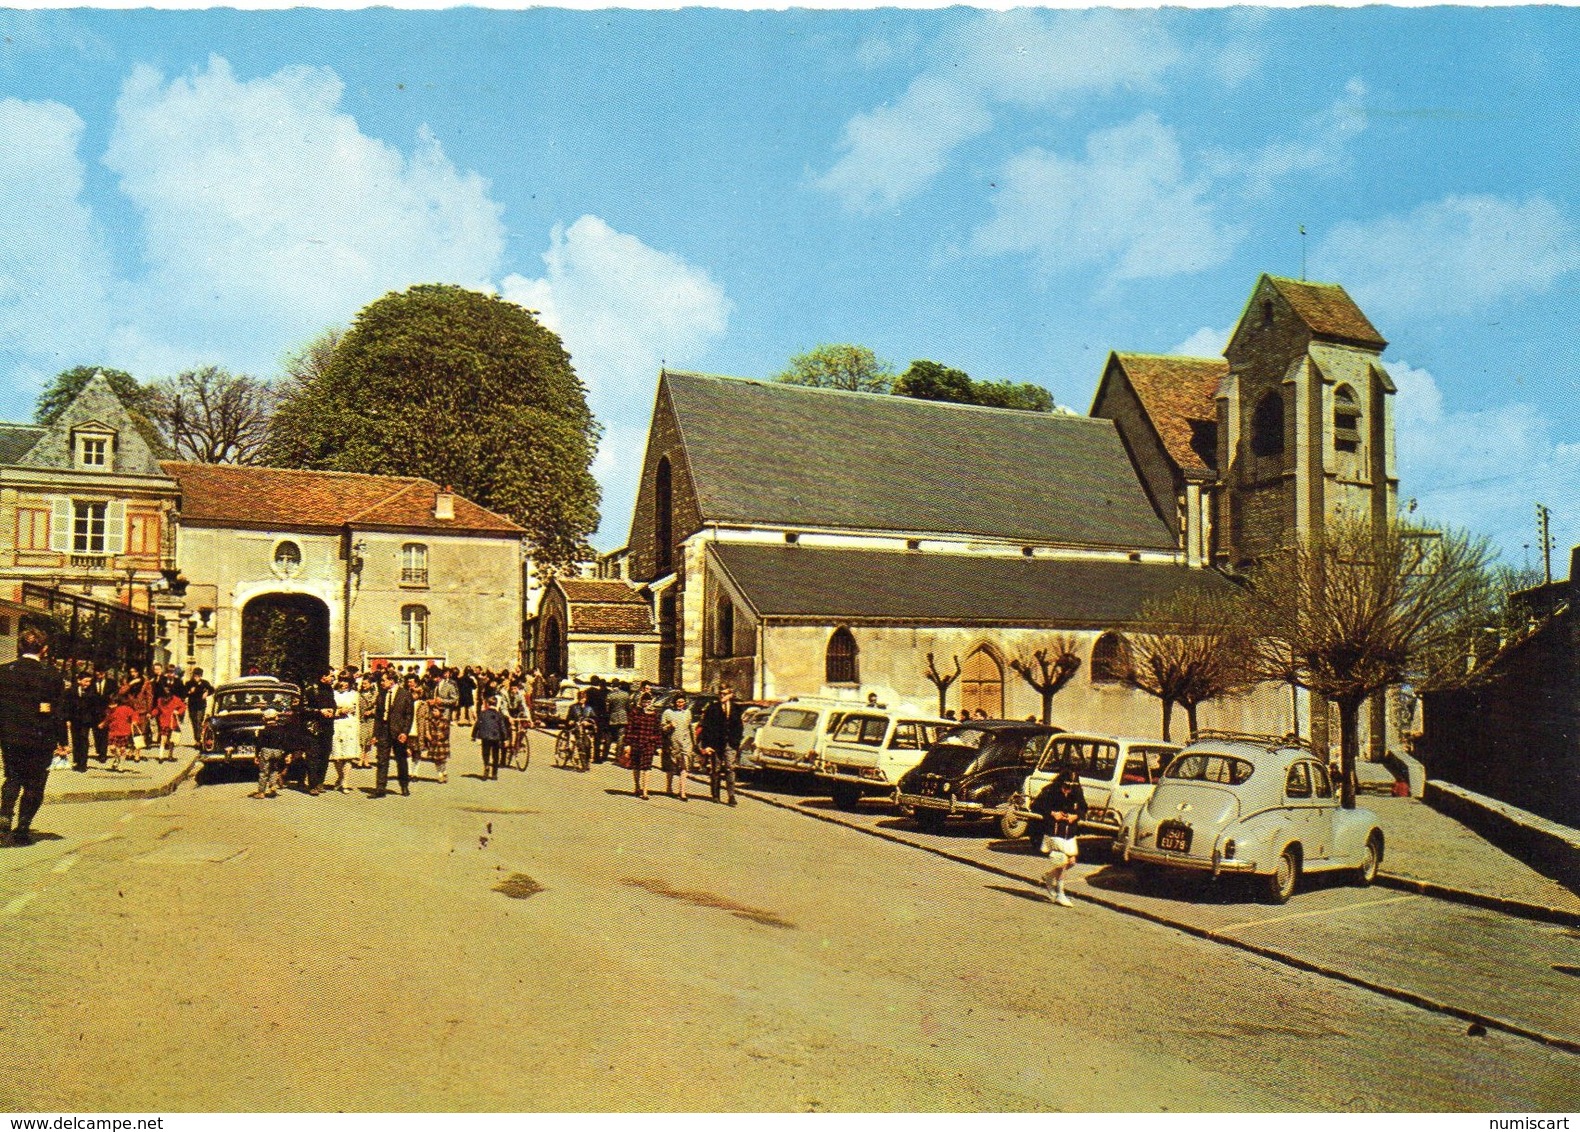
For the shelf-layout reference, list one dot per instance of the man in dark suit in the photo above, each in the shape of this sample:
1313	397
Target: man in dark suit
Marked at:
32	728
394	713
319	706
85	709
719	739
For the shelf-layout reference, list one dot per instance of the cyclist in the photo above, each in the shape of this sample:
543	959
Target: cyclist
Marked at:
583	722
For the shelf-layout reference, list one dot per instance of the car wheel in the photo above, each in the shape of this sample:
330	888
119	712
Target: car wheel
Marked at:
1013	826
847	796
1279	886
1371	862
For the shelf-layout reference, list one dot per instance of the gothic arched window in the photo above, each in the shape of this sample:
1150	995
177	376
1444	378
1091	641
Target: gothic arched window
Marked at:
663	524
724	628
839	663
1346	420
1111	659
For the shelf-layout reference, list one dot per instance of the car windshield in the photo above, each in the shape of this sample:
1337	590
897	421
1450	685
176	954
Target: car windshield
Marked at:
1093	758
968	737
1210	768
795	719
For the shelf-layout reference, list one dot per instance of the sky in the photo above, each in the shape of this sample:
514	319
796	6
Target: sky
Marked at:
1012	193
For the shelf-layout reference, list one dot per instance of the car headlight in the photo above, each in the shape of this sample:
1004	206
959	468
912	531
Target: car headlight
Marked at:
1228	849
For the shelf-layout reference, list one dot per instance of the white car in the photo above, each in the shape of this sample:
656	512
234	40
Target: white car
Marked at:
1265	808
873	747
794	737
1117	775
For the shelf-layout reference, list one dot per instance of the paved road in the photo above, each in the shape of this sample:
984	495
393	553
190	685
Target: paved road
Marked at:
1522	973
206	951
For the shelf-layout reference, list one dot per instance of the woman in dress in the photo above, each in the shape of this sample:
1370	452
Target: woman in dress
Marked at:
642	741
347	747
436	735
367	703
680	750
139	693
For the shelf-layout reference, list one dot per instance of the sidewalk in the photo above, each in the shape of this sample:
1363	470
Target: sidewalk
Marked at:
1427	846
146	779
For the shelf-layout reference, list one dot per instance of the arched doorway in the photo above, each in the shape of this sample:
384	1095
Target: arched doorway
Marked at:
553	650
285	635
982	684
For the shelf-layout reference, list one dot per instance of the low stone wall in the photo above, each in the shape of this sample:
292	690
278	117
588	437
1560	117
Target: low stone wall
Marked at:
1549	848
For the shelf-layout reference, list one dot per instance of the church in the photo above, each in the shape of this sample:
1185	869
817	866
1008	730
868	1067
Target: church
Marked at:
803	541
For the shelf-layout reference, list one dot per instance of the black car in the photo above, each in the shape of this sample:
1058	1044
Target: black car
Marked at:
973	771
235	716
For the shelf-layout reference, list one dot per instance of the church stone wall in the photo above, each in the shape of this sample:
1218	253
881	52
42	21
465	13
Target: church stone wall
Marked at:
685	519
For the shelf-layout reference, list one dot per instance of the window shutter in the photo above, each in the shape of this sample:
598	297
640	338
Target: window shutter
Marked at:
115	527
60	524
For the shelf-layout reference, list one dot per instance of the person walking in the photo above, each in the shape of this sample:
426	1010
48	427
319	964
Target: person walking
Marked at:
169	709
467	688
367	699
435	728
277	742
85	711
643	738
139	693
104	688
619	704
719	739
392	722
32	732
1060	805
490	730
119	722
680	749
598	700
319	709
197	691
346	746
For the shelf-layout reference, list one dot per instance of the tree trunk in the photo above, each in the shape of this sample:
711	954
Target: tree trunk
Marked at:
1168	713
943	696
1047	707
1349	746
1190	719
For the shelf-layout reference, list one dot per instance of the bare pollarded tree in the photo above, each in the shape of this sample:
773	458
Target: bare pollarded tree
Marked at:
1196	648
1049	669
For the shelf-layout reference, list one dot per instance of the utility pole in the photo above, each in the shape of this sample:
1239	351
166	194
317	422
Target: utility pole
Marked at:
1544	532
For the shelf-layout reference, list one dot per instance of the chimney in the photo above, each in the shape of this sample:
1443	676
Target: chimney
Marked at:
444	504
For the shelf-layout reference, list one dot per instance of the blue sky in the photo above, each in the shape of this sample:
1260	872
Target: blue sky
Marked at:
1012	193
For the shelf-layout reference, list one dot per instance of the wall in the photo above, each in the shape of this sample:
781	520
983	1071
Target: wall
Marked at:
1117	401
892	662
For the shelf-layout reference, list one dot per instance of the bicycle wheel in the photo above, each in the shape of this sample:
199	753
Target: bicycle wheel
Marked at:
522	754
584	746
564	748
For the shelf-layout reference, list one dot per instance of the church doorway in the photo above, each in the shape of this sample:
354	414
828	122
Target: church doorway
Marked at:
285	635
982	685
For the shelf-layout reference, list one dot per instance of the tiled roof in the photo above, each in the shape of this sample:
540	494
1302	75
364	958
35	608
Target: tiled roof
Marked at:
798	582
1176	391
769	452
221	494
1330	312
605	606
16	440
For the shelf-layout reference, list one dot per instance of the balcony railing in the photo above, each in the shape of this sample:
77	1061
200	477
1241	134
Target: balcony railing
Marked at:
414	576
90	561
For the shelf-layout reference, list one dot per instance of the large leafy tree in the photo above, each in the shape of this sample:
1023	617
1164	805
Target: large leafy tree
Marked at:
840	366
465	389
1364	608
141	401
931	381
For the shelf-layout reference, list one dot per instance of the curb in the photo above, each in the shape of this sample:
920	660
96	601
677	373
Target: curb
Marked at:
1525	910
1568	1045
130	795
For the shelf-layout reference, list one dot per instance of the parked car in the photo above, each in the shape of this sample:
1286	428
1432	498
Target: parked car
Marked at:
1252	806
757	713
974	771
796	732
872	748
1117	775
235	716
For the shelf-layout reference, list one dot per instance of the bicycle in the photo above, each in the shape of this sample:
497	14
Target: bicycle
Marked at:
520	744
573	746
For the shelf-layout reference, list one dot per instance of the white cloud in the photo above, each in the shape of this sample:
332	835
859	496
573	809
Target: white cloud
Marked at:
622	308
1016	58
1451	256
1481	469
1323	144
268	214
54	269
1129	208
1205	343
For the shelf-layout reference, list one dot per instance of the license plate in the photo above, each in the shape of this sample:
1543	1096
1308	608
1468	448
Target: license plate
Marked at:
1174	838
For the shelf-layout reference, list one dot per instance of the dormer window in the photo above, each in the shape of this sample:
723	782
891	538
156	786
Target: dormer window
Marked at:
93	450
1346	420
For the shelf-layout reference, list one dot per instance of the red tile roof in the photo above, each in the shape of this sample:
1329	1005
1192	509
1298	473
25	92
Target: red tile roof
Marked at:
1174	392
605	606
228	494
1330	312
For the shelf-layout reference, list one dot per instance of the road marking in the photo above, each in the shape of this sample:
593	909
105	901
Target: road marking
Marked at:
64	864
1320	912
18	903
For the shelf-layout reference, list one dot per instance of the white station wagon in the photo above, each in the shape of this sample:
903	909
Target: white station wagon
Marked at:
1240	805
1117	775
793	738
873	747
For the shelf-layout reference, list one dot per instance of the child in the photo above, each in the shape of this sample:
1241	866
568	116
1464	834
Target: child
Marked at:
1061	804
170	709
119	722
491	730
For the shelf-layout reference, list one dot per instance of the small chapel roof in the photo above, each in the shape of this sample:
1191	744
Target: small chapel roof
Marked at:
605	606
1329	311
1177	394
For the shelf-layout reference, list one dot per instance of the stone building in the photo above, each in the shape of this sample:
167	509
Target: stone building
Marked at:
87	533
588	627
337	568
800	541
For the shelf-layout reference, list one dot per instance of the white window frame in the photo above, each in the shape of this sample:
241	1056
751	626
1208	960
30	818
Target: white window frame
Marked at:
414	564
414	629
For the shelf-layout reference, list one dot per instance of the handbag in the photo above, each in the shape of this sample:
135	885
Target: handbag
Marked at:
138	742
